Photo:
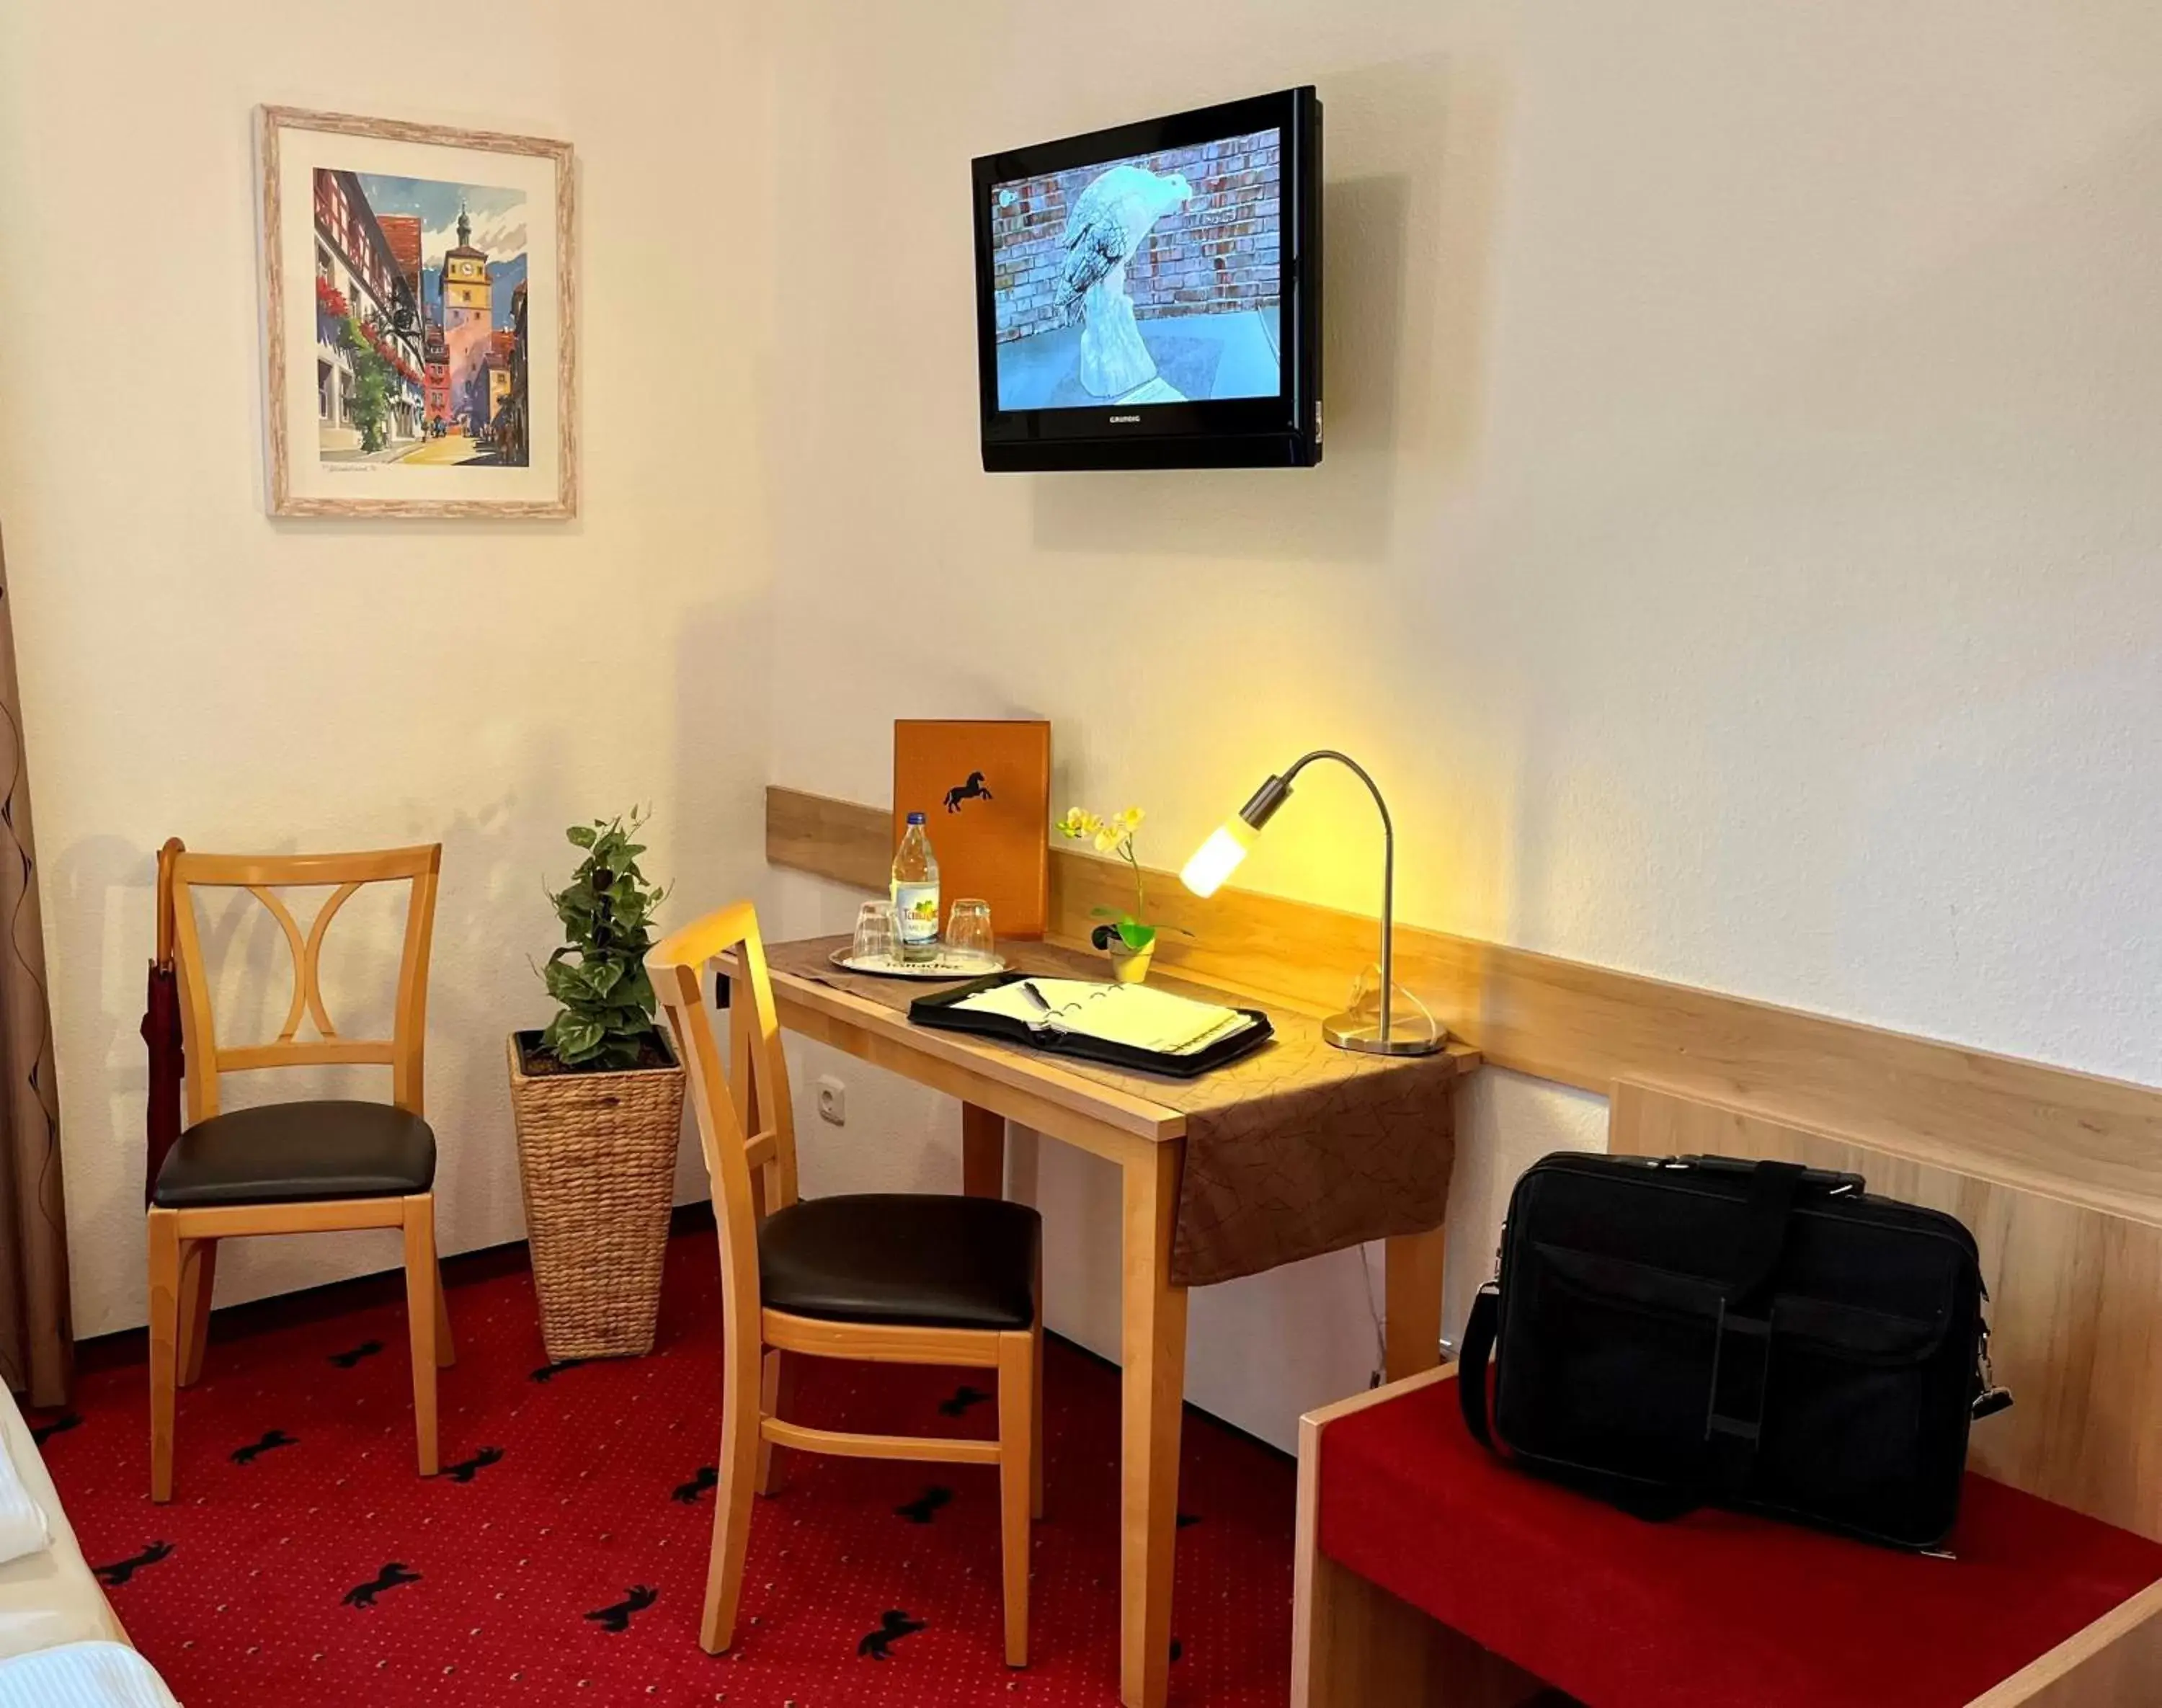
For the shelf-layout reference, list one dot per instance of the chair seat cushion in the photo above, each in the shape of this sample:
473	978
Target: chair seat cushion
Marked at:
927	1260
287	1152
1715	1609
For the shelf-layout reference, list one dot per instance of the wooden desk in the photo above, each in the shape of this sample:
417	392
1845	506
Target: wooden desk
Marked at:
995	1084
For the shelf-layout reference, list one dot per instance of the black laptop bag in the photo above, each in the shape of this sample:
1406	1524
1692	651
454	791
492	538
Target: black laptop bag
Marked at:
1667	1333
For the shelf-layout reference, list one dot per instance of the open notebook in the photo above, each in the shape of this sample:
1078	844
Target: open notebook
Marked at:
1136	1016
1126	1026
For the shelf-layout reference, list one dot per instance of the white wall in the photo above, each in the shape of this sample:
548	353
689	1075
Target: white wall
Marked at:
1736	552
192	667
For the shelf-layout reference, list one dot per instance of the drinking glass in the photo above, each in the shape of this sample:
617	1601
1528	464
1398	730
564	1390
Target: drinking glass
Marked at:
969	929
877	934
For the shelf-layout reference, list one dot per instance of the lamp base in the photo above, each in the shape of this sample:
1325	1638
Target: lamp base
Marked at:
1360	1032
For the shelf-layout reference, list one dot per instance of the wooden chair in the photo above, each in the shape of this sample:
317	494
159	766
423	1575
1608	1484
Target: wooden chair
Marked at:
293	1168
888	1278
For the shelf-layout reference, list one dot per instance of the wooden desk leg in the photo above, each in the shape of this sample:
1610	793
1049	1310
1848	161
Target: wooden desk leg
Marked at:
983	1152
1412	1264
1153	1339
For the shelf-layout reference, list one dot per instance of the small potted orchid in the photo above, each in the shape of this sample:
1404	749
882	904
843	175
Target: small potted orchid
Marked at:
1129	939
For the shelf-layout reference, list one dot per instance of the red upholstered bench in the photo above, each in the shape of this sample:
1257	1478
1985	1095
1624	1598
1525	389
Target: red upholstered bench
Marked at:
1431	1572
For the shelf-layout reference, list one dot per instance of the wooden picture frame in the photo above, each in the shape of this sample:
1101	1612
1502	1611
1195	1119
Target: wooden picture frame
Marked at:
444	372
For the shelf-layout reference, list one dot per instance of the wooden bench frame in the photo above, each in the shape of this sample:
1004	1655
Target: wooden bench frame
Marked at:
1354	1645
2075	1279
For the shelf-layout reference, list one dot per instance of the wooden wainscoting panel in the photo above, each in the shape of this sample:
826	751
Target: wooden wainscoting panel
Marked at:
835	839
2075	1311
2096	1141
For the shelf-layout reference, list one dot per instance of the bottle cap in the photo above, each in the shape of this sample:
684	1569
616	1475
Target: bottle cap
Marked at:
915	818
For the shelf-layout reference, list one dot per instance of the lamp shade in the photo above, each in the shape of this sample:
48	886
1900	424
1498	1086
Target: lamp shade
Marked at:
1219	856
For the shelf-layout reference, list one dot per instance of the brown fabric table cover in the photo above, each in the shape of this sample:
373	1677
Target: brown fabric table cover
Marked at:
1296	1150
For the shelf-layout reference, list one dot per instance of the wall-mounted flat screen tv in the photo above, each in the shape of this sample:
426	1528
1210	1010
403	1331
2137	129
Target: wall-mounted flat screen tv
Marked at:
1149	297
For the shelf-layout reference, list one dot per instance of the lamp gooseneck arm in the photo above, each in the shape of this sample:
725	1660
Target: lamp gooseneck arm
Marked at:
1388	867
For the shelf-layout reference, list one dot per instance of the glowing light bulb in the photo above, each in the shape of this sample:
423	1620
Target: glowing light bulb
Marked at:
1219	856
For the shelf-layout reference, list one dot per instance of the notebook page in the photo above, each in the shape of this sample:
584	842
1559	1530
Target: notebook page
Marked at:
1146	1019
1008	1001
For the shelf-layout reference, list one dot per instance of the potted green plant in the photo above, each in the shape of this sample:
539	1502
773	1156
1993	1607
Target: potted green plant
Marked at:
1128	938
598	1099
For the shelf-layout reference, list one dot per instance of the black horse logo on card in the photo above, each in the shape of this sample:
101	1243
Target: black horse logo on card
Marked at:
617	1619
973	790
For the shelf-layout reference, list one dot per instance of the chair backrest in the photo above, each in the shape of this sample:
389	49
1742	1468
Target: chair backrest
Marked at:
746	1126
2074	1289
180	874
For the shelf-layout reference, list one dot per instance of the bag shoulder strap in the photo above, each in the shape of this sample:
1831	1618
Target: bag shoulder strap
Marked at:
1472	1360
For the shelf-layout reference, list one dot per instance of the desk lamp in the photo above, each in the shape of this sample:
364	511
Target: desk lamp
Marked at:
1216	858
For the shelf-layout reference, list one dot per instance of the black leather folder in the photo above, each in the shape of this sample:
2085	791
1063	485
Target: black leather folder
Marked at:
940	1010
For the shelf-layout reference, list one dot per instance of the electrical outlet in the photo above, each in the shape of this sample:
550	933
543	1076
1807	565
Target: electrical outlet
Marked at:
833	1100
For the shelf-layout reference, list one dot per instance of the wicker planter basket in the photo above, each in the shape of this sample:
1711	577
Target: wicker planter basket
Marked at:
597	1164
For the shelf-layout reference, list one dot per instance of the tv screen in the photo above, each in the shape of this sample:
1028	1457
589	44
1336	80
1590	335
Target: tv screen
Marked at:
1149	295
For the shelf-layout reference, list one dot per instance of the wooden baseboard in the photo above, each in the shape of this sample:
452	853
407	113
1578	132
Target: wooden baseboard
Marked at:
125	1347
2095	1141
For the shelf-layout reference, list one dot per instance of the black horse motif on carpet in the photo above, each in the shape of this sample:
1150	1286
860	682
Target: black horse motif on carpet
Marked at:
389	1578
963	1397
688	1493
272	1440
347	1360
893	1627
112	1576
637	1599
466	1469
924	1507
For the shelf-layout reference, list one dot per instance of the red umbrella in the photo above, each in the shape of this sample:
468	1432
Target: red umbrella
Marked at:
161	1032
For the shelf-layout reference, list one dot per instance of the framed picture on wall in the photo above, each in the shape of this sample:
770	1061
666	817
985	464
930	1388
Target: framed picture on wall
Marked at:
419	332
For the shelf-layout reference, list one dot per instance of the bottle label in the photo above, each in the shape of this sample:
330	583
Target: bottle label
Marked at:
918	907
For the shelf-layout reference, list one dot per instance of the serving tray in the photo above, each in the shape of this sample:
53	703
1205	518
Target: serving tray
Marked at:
947	964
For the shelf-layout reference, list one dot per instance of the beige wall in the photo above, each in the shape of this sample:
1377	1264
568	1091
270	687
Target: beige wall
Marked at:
192	667
1736	553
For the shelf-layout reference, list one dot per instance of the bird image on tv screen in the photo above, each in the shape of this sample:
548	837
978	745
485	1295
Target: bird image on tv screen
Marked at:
1157	278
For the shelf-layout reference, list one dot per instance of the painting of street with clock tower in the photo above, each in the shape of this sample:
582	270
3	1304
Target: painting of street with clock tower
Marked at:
421	333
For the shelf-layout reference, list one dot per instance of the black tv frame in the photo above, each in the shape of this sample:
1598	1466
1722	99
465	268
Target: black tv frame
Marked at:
1283	432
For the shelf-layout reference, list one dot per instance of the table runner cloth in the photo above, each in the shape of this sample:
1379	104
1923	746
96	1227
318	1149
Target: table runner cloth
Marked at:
1298	1149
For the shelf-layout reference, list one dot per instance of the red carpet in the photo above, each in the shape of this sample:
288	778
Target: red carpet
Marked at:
562	1557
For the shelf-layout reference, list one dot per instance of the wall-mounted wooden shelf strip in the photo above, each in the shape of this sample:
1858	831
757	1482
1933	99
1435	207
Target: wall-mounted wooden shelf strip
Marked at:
2089	1139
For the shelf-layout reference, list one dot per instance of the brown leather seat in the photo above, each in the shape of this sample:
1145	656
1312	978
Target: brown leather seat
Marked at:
929	1261
288	1152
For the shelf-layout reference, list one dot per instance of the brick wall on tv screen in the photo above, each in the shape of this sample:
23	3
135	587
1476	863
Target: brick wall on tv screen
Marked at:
1218	255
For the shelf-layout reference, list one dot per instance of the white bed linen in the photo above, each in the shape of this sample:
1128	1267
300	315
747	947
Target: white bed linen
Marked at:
22	1520
82	1675
49	1597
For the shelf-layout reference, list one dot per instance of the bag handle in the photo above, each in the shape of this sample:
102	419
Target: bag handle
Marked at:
1774	1187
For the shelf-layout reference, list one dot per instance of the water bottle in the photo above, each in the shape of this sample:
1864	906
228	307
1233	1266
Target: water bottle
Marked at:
916	893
